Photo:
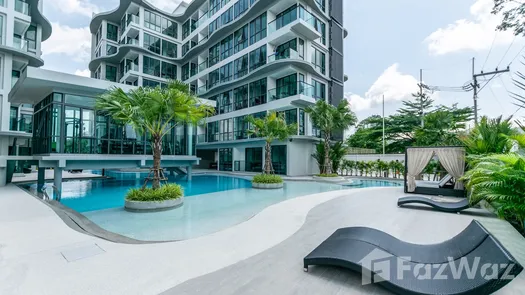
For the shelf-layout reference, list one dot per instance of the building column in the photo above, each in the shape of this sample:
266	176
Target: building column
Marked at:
41	180
57	181
188	170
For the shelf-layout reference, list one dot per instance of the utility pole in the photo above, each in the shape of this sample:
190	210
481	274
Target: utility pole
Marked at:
422	111
475	85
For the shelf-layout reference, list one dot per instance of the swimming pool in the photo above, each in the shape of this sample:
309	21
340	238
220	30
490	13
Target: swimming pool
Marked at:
212	203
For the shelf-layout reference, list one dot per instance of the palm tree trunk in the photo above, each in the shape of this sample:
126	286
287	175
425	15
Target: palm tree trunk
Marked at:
157	153
327	162
268	160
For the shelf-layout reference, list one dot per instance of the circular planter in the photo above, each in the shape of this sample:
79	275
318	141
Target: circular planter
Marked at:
329	179
136	206
268	185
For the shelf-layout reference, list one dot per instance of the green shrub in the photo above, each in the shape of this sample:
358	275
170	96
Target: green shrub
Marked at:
267	178
164	193
328	175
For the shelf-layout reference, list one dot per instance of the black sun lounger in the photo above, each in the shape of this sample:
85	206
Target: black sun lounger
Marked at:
382	256
452	207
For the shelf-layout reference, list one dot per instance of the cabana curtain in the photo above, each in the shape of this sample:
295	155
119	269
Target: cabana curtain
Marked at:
418	160
452	159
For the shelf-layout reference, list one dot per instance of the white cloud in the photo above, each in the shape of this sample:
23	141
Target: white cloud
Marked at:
83	73
72	42
82	7
393	84
476	34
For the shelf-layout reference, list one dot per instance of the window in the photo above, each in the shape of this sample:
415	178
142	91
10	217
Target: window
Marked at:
150	83
215	5
301	48
13	119
30	36
318	60
169	71
169	28
258	92
240	7
226	72
302	124
241	66
321	4
286	87
213	77
283	51
111	73
1	29
240	128
185	74
258	58
286	17
321	28
319	90
240	95
99	34
226	159
186	29
240	38
185	48
290	116
214	54
152	43
110	50
152	21
226	47
169	49
214	25
112	32
151	66
258	28
225	102
227	16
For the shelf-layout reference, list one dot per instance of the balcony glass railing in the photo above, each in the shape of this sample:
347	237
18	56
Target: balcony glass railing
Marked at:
133	19
131	67
129	41
20	43
286	54
203	65
199	22
202	90
291	16
292	89
201	138
22	7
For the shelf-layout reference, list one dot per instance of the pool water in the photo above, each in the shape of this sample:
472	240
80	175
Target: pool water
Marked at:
211	203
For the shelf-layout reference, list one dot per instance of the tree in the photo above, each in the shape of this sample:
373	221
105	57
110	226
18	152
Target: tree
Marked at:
331	119
443	126
272	127
337	152
154	111
423	103
513	15
493	136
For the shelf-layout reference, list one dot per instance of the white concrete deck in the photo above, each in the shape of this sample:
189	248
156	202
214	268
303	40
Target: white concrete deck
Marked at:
49	176
39	254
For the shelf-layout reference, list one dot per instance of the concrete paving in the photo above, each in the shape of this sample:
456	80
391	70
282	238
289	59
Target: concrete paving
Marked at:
40	254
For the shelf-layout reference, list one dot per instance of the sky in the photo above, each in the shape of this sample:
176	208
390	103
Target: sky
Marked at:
388	43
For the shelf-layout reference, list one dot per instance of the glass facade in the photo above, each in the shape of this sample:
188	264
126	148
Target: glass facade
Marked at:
279	159
226	159
66	123
254	159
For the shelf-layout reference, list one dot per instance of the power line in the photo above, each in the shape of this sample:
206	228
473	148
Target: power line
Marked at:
506	52
497	100
490	51
517	55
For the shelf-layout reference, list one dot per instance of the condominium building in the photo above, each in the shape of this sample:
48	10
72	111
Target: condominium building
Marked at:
249	56
22	30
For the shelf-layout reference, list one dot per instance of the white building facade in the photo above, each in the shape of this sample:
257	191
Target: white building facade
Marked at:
22	30
249	56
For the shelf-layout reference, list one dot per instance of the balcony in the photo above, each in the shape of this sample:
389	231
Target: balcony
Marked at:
131	30
293	89
202	90
20	44
199	22
286	54
298	21
203	65
22	7
129	41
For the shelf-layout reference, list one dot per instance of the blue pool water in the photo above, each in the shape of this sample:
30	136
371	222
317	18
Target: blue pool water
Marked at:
211	203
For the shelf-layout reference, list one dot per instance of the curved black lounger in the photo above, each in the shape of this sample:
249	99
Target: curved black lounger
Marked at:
452	207
374	252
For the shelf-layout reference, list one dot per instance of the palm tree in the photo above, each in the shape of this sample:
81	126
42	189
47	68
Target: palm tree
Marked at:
329	119
154	111
493	136
272	127
500	180
337	152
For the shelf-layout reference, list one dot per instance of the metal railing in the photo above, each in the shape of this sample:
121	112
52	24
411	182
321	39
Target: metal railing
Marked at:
22	7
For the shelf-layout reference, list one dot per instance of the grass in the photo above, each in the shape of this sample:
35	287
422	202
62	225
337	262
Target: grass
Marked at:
328	175
164	193
267	178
